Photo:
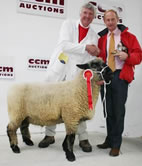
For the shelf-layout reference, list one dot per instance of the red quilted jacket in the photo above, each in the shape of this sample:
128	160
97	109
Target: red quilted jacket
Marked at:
134	51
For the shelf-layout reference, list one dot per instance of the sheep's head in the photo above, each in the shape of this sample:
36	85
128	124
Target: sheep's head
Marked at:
98	67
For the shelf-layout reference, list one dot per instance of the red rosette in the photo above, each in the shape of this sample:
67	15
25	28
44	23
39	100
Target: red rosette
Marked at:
88	75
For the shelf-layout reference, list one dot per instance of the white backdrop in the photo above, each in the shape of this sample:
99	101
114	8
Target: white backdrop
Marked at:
23	35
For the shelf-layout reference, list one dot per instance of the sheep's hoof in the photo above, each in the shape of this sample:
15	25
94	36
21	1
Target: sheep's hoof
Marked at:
70	156
28	141
15	148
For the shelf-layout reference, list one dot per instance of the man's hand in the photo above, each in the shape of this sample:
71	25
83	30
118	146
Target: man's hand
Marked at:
122	55
92	49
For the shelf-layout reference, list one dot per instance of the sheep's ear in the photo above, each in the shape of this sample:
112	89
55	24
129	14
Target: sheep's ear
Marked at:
83	66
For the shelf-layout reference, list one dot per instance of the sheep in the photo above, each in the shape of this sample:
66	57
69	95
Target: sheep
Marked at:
48	104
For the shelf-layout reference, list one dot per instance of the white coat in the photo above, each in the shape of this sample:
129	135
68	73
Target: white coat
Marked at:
69	45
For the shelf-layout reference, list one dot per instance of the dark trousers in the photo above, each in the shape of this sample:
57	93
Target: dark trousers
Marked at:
116	96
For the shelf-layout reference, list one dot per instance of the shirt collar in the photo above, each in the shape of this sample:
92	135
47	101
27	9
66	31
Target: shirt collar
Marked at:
79	22
115	32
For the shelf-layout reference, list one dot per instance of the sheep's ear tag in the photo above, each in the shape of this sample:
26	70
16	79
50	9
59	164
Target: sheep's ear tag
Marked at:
88	75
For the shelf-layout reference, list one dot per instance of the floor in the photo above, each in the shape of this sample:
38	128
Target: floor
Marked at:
131	153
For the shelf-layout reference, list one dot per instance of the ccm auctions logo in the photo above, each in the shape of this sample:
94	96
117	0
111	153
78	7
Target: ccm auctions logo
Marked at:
101	9
37	63
6	72
43	7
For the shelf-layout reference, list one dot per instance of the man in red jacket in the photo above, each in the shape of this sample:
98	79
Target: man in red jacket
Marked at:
121	51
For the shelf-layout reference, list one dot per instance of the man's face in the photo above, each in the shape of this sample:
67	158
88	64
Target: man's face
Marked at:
111	21
86	16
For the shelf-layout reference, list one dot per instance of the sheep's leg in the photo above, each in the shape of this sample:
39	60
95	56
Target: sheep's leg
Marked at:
24	127
11	132
68	147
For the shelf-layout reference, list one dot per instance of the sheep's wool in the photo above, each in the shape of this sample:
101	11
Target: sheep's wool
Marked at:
48	104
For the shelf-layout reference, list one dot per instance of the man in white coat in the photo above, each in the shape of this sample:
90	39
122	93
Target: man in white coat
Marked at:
77	44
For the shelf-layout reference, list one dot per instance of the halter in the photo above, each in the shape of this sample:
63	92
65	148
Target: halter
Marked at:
105	83
101	73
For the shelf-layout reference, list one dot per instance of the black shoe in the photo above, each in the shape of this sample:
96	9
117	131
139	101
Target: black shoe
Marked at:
105	145
47	140
85	145
114	152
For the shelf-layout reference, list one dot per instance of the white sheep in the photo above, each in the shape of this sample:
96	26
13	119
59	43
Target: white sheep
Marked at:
49	104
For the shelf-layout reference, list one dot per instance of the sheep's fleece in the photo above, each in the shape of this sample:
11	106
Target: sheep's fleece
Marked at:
48	104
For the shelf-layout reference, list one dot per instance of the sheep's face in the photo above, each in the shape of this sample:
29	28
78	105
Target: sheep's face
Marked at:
98	67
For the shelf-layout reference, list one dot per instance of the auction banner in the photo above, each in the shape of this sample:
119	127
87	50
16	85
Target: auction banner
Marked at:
52	8
37	63
6	67
102	5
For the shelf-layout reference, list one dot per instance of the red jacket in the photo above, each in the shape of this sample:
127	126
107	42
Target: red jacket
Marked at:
134	51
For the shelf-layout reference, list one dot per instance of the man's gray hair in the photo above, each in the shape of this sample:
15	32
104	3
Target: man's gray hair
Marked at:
90	7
